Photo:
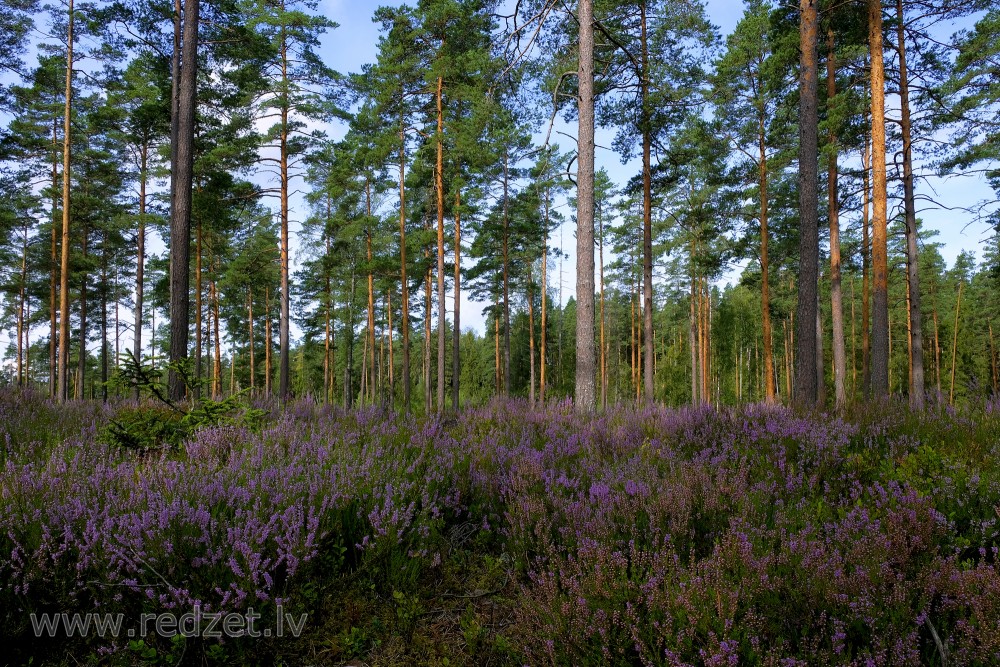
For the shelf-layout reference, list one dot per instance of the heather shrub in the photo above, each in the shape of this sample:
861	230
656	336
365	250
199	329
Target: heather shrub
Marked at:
695	536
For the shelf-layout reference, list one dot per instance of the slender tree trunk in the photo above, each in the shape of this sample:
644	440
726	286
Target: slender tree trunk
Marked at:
912	256
439	187
392	362
545	289
706	332
820	357
140	258
770	391
104	322
954	347
909	335
788	359
180	222
993	359
63	350
633	347
647	219
217	366
54	268
806	380
880	267
937	352
693	341
197	310
81	368
21	298
403	285
370	337
328	288
531	341
253	369
836	293
496	349
349	352
604	356
268	343
456	333
865	273
854	346
584	398
284	388
506	276
428	394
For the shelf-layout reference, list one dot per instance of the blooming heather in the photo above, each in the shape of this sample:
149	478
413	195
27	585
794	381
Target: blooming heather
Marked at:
652	536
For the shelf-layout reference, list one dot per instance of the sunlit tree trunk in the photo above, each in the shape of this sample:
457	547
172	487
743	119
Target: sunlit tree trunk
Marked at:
836	293
63	349
284	388
439	188
584	398
880	267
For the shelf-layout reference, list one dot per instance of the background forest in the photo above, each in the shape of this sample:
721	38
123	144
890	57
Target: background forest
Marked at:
139	135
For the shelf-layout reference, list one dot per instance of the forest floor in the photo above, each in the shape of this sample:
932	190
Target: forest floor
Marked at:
504	535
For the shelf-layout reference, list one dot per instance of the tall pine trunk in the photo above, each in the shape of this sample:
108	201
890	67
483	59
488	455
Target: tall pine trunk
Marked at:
197	310
53	268
369	373
545	288
880	267
806	380
439	190
140	258
912	256
604	356
836	293
81	365
284	318
180	218
63	350
403	286
647	218
253	370
506	275
585	395
770	391
865	271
